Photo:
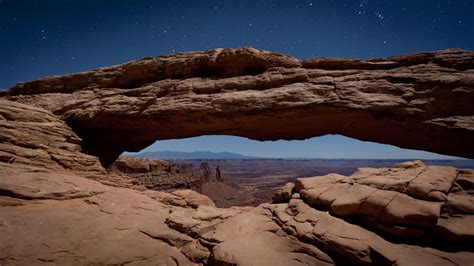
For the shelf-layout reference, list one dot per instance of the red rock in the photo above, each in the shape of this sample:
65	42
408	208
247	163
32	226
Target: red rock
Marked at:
421	101
398	202
58	205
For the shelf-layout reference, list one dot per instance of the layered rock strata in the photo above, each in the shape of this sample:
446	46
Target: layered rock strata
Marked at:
167	176
420	101
157	174
411	202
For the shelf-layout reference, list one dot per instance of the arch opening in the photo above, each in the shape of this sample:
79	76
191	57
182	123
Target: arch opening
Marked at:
109	136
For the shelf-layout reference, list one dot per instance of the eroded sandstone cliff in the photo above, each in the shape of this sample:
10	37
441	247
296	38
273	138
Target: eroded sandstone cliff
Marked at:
420	101
168	176
157	174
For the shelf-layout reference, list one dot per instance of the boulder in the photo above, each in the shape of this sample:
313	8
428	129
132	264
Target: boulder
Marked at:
410	201
283	194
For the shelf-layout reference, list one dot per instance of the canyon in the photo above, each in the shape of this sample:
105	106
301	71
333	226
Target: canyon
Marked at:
242	182
60	205
164	175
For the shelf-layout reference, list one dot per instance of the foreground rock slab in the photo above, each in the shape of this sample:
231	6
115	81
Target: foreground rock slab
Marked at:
59	213
411	202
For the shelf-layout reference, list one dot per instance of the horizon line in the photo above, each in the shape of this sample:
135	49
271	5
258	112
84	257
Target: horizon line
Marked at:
253	157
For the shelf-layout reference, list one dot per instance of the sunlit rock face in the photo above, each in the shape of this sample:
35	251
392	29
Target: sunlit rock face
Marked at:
420	101
58	205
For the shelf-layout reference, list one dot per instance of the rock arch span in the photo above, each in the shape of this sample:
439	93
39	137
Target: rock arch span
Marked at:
422	101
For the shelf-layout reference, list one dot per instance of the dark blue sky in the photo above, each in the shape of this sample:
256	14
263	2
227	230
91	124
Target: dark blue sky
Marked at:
52	37
46	37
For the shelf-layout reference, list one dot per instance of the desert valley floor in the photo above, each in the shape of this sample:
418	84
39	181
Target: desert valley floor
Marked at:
244	182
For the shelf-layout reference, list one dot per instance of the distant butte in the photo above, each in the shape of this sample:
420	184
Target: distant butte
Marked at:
421	101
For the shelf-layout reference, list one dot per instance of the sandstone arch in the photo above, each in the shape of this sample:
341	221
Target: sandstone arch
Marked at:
421	101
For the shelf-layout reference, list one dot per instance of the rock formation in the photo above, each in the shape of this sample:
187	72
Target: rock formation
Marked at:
206	175
420	101
58	205
157	174
163	175
411	202
218	174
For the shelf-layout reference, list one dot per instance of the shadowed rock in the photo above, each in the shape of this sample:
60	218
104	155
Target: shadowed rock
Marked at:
420	101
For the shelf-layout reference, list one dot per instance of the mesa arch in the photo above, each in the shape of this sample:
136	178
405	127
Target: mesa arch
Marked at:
422	101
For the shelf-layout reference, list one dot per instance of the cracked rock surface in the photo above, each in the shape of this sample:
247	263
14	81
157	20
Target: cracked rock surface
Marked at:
410	202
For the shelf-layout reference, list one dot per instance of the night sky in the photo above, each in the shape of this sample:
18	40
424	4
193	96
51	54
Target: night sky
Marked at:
46	37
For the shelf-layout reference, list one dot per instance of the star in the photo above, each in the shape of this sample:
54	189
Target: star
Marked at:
379	16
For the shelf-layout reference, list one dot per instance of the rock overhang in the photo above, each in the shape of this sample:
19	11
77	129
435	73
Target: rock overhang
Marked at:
420	101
